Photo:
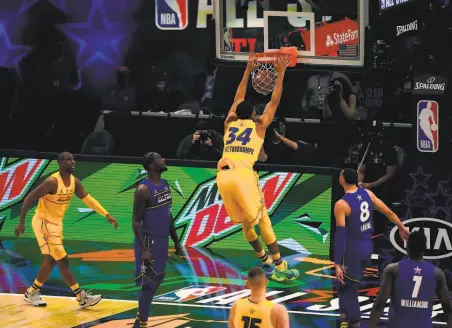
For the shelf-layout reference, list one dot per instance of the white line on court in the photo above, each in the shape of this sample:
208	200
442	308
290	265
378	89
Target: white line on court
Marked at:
213	307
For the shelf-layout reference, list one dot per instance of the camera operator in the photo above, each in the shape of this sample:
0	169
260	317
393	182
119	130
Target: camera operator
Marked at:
378	172
341	101
204	144
278	149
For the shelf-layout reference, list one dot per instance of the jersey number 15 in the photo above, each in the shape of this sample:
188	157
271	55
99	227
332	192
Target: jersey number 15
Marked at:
251	322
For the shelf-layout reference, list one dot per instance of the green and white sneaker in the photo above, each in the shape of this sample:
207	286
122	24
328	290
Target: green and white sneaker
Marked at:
286	274
268	269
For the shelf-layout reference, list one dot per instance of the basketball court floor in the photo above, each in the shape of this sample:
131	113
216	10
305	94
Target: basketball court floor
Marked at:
197	292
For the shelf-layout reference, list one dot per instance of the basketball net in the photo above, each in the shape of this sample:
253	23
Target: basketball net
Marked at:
264	76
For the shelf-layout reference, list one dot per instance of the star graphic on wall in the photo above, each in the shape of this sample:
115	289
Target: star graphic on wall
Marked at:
414	197
447	184
440	198
420	178
10	55
27	4
98	39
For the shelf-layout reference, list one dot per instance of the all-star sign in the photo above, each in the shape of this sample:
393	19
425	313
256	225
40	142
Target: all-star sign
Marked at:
438	233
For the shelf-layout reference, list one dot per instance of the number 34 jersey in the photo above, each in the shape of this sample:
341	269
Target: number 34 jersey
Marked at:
359	223
253	315
242	143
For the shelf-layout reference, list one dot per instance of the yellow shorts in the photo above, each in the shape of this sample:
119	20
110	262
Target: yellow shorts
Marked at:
49	237
241	195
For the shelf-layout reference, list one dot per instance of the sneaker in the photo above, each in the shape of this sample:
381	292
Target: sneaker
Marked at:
268	269
34	298
284	275
87	299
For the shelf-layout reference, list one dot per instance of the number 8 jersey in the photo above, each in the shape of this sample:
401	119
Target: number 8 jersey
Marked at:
359	223
242	144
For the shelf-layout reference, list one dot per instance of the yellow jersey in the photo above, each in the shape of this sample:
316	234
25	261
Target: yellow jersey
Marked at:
249	314
52	208
242	144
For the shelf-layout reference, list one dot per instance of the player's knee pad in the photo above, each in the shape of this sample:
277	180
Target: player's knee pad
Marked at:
265	225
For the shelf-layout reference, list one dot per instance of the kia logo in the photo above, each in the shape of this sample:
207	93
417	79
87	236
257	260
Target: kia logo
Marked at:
438	234
431	80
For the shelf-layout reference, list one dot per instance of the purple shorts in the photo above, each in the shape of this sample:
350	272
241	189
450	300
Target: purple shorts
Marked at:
146	275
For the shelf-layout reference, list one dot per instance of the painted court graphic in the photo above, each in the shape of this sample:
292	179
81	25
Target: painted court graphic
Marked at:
200	287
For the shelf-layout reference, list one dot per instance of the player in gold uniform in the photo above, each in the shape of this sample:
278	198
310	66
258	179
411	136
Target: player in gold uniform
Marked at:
54	195
256	311
238	184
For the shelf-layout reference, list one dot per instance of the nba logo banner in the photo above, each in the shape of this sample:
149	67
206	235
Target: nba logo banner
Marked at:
171	14
188	293
427	126
227	40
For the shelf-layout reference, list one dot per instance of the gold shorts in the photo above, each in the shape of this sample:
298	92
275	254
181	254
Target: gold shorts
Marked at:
49	237
241	195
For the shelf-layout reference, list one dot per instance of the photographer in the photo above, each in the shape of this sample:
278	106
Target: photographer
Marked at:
341	101
204	144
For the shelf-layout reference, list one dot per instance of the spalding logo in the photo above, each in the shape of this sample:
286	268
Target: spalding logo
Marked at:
438	234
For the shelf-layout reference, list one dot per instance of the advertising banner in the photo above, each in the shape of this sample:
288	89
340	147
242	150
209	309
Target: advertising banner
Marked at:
299	204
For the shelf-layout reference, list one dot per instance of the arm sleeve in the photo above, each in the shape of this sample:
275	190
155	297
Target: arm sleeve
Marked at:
94	205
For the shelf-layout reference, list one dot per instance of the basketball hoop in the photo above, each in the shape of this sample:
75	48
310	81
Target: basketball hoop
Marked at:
264	75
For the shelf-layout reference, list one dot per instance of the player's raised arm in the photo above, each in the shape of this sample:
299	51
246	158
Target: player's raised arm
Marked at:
442	291
269	112
241	90
386	211
385	291
232	316
48	186
92	203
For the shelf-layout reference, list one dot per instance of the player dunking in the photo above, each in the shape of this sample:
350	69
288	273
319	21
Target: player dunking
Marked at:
54	195
152	224
238	184
256	311
353	241
413	284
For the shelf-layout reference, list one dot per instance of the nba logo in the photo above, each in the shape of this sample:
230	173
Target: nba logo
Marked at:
227	40
427	126
171	14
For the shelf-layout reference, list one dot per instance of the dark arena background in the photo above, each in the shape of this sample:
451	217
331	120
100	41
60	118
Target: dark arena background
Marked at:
109	80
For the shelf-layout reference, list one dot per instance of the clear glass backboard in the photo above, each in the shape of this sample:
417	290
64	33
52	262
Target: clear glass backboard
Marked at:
326	32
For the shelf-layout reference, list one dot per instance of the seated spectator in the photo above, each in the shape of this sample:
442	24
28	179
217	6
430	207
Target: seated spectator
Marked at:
99	142
204	144
120	97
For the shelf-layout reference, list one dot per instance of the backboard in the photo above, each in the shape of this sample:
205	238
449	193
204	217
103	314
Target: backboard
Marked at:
326	32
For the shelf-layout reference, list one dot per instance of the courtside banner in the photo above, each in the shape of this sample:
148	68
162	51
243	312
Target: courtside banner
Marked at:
299	204
429	84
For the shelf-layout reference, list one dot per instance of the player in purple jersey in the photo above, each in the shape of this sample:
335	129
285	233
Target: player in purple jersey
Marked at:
152	224
353	242
412	285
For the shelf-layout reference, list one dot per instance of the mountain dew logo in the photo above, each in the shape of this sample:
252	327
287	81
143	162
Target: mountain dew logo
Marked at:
205	218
